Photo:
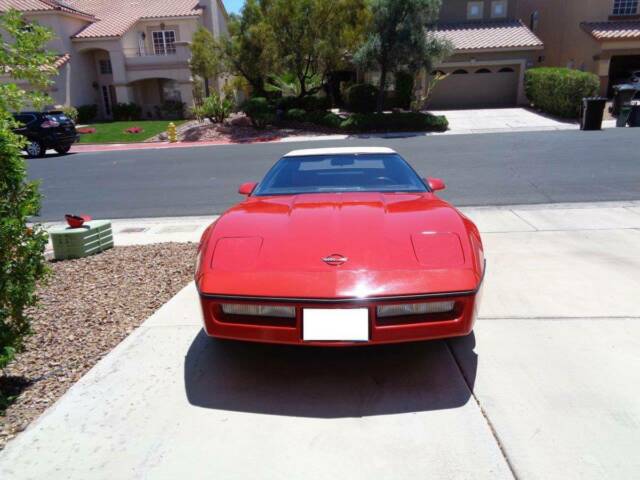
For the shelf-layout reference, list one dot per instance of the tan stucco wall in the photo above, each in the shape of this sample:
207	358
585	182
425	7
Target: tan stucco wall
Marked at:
456	10
566	43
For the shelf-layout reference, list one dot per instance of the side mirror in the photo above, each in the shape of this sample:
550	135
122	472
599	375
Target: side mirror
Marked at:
435	184
247	188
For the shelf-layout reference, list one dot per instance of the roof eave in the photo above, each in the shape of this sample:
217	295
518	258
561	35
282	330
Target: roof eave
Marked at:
528	48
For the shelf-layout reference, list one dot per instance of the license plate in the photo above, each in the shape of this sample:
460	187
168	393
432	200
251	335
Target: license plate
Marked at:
335	325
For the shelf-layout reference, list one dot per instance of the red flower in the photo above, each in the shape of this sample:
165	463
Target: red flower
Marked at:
86	130
134	130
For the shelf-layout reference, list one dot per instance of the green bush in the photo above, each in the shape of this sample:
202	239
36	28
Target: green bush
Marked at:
310	103
259	110
326	119
87	113
71	112
361	98
404	90
126	112
559	91
395	122
216	109
296	114
171	109
22	262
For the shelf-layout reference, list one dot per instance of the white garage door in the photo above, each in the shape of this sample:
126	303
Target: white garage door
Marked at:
476	87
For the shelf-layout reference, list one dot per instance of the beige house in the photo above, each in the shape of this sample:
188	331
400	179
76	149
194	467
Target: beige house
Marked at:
120	51
599	36
493	48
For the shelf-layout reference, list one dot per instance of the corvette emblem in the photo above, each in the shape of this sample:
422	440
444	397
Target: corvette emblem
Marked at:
335	260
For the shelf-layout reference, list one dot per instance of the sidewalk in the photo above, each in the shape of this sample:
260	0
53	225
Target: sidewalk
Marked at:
461	122
547	387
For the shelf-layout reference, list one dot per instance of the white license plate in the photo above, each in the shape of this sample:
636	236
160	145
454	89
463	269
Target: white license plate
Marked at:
335	325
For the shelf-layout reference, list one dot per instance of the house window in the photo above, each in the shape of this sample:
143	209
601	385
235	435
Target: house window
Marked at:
534	21
460	72
506	70
499	9
625	7
475	10
105	67
483	70
164	42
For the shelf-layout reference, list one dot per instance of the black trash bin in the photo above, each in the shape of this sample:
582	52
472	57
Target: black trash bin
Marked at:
634	116
592	113
622	95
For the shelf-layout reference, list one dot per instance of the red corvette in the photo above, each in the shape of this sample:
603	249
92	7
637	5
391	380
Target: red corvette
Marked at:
339	247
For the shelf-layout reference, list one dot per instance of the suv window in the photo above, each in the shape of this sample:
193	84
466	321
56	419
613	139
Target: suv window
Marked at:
25	119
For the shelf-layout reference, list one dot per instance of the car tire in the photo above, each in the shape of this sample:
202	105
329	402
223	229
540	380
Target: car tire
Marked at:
35	149
63	149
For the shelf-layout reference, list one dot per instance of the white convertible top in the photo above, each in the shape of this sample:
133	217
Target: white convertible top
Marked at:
339	151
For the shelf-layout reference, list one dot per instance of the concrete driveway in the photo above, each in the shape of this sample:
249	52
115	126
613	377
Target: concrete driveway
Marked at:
546	387
493	120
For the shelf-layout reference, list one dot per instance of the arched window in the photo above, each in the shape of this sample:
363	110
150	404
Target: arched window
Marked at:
460	72
483	70
506	70
437	72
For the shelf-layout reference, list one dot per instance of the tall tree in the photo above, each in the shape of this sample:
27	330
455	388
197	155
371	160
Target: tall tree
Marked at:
205	58
248	51
23	58
312	37
399	38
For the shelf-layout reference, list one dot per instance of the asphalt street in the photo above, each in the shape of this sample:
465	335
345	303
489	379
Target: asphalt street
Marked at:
489	169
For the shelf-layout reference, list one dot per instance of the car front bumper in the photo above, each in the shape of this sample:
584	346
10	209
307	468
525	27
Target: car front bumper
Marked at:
408	328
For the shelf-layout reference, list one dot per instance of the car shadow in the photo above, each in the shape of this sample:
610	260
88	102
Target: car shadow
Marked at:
328	382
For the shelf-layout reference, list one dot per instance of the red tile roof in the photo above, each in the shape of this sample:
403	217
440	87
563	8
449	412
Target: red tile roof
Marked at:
118	16
41	6
615	30
61	61
508	34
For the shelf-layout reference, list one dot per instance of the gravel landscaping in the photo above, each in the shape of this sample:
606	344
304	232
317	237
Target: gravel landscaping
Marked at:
87	307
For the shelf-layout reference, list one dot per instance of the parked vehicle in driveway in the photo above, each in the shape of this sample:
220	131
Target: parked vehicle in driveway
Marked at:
339	247
46	130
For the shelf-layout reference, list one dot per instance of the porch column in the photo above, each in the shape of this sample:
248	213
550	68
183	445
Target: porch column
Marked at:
186	93
603	65
119	68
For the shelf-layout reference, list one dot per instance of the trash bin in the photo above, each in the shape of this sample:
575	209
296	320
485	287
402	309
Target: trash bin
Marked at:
592	113
634	115
622	95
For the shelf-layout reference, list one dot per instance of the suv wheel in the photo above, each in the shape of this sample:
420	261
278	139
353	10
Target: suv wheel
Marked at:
63	149
35	149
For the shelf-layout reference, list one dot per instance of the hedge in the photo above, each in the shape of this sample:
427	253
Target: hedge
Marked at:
395	122
259	110
559	91
362	98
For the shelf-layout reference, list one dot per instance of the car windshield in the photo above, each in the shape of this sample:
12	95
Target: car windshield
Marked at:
340	173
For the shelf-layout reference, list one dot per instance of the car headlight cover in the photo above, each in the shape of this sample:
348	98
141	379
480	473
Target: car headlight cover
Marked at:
415	309
259	310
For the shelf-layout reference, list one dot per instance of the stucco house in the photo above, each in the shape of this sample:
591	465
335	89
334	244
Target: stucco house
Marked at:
121	51
493	48
599	36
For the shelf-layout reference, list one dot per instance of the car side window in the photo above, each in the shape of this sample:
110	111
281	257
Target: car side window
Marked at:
24	119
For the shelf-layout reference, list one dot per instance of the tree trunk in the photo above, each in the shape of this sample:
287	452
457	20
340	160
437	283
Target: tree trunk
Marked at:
206	87
382	88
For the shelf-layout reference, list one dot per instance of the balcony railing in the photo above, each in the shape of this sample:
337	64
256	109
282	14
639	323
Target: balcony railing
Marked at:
139	52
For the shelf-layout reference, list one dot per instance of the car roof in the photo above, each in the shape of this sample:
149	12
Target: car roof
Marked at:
339	151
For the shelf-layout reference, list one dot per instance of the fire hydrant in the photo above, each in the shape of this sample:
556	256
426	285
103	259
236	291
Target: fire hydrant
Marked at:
172	133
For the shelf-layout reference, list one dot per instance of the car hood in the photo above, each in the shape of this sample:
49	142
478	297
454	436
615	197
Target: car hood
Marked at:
392	244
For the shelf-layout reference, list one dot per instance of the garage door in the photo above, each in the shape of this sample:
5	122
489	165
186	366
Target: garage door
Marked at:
476	87
621	68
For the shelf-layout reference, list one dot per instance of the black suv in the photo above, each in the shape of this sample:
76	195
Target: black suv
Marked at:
46	130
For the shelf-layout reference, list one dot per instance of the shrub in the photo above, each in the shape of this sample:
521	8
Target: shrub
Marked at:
71	112
22	262
404	90
395	122
559	91
361	98
216	109
326	119
87	113
309	104
259	111
170	109
126	112
296	114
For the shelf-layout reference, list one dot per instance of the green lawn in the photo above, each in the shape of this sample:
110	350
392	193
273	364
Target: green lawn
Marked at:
114	132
